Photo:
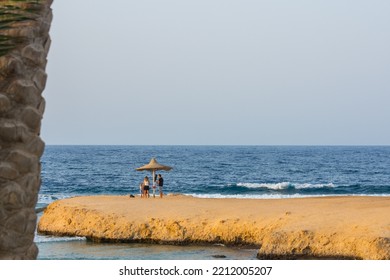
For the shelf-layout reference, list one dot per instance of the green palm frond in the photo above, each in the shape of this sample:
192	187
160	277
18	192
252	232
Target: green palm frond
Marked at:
13	12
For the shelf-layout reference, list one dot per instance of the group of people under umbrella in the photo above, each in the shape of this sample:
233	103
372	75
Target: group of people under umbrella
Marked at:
158	181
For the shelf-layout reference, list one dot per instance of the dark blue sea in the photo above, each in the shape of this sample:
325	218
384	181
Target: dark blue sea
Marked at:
258	172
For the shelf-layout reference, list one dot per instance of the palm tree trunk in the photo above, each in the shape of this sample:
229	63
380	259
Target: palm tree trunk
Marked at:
24	45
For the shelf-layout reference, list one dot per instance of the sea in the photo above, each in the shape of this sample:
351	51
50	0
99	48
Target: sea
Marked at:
250	172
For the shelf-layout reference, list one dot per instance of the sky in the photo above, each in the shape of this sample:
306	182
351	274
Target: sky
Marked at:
218	72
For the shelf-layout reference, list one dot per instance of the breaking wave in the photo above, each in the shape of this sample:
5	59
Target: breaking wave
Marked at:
284	185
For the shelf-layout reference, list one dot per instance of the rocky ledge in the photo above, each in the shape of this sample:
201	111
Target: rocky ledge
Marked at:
325	228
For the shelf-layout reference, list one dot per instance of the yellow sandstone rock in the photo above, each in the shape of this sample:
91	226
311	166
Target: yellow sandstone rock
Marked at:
329	227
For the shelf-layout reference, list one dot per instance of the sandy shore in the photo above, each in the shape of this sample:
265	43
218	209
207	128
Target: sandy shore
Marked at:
328	227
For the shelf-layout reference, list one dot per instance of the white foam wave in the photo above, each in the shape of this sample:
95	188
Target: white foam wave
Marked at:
284	185
246	196
313	186
274	196
276	186
48	238
49	198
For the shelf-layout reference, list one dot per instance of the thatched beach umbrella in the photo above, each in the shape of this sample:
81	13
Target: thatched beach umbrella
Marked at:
153	166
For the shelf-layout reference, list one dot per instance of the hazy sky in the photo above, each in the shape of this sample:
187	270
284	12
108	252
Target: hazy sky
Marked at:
219	72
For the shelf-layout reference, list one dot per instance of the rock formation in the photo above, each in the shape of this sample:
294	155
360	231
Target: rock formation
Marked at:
24	45
325	228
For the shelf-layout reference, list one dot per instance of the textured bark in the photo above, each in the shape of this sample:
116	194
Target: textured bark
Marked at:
24	45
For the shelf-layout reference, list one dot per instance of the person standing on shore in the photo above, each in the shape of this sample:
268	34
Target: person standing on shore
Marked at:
146	187
154	186
160	183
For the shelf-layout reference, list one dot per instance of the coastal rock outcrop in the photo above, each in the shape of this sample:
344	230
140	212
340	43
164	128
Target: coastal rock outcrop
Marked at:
24	45
325	228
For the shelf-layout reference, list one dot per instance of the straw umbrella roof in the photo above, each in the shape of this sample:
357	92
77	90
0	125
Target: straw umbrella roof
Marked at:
153	165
